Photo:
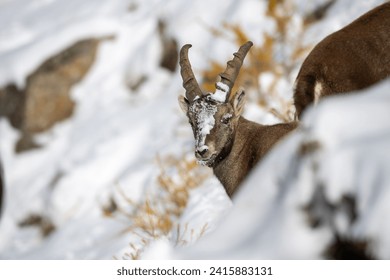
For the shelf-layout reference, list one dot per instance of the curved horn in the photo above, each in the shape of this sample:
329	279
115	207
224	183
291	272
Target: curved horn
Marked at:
233	67
189	81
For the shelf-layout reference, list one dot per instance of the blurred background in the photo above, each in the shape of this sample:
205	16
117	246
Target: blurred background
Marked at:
97	156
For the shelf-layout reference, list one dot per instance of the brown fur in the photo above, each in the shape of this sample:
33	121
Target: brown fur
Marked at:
350	59
251	142
238	144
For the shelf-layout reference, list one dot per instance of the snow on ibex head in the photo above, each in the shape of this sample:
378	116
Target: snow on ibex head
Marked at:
204	120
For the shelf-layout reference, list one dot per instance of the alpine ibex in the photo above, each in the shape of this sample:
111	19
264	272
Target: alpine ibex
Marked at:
224	140
350	59
353	58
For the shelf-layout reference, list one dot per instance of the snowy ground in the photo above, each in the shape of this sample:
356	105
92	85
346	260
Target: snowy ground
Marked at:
113	139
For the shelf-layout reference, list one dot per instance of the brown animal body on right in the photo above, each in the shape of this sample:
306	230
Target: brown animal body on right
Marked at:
252	141
353	58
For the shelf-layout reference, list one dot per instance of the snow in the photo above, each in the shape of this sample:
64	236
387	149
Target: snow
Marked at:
203	112
220	92
34	30
340	14
112	143
227	116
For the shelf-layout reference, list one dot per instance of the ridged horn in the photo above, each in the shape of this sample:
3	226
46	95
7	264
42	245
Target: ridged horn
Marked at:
229	76
189	81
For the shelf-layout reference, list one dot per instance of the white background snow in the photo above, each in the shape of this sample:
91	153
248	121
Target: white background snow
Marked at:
115	134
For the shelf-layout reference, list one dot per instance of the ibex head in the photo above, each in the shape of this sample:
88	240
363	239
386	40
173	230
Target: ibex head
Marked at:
213	116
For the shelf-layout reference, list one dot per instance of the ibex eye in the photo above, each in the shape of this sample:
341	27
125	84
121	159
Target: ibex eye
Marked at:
226	118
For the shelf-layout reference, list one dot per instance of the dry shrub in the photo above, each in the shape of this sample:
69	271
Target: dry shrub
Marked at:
158	214
42	222
318	13
272	58
181	239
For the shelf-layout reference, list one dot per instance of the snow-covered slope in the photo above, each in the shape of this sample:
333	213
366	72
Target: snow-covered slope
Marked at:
116	133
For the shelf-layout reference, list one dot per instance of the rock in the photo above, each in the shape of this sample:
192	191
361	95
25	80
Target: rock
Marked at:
170	52
46	98
11	104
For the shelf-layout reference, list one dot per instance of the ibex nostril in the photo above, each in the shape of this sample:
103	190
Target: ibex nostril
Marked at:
202	150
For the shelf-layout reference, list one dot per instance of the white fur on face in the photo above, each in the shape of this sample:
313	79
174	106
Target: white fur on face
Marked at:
203	111
204	121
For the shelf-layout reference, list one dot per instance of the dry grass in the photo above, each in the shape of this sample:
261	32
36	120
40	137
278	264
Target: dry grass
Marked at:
266	59
42	222
157	215
181	234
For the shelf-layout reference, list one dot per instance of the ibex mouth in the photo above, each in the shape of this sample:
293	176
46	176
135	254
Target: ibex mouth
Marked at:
209	162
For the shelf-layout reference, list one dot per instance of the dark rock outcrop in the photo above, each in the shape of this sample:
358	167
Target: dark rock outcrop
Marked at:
170	49
46	98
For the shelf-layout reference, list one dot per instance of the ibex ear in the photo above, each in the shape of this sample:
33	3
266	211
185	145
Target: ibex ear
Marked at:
239	101
184	103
